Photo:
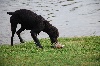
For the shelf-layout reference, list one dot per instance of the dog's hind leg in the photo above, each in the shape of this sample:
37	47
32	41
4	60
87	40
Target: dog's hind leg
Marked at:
13	29
34	36
18	33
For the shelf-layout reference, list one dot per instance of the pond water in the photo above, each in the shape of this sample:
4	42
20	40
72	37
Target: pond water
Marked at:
72	18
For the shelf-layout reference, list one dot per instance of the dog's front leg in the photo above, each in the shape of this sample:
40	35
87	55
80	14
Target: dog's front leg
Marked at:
34	36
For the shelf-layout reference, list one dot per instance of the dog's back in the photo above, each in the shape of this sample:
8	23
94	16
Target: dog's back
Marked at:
28	19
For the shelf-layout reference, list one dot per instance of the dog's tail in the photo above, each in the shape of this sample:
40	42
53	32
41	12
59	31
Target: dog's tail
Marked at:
10	13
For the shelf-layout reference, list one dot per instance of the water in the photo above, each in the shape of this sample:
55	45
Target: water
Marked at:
72	18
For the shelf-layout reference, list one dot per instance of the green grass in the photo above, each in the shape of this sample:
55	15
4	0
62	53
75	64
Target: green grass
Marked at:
78	51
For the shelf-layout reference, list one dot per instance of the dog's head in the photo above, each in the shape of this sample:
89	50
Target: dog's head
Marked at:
54	34
51	31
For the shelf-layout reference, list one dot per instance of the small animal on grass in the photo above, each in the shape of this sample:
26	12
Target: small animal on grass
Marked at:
31	21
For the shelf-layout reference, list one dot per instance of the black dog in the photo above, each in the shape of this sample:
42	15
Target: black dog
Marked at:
31	21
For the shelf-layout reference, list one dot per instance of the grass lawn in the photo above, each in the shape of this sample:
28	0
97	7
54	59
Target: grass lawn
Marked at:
78	51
